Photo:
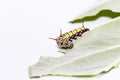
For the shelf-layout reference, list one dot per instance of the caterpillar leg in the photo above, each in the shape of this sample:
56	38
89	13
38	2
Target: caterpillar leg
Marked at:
74	36
70	43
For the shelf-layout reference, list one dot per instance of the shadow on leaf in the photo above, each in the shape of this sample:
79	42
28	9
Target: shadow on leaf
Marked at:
103	13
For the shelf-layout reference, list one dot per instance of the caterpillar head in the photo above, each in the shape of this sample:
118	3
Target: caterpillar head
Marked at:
62	42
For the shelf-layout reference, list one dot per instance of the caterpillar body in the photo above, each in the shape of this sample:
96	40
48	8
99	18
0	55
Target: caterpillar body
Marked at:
64	41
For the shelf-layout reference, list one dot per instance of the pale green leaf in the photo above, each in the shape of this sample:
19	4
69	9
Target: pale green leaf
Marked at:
95	52
109	8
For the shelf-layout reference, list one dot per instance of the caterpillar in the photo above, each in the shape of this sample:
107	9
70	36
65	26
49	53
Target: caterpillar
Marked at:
64	41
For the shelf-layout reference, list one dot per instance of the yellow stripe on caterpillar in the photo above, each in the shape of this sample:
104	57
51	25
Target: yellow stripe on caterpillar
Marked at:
74	31
83	28
70	33
64	37
67	35
79	29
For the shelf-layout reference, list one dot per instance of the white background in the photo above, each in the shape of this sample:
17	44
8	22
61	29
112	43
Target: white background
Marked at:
26	25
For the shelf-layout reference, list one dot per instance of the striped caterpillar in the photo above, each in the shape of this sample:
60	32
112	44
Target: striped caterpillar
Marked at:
64	41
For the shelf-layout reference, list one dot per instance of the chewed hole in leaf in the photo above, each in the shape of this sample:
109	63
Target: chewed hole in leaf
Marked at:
102	13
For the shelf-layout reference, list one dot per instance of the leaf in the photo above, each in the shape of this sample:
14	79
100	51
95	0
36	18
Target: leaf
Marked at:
109	8
89	65
96	52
